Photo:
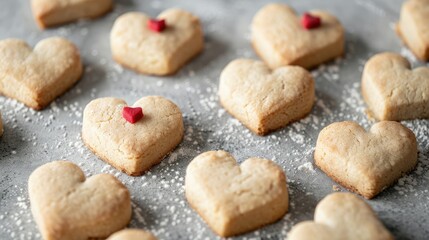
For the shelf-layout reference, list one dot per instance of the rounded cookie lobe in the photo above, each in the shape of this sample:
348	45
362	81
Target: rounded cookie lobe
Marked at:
234	199
137	47
341	216
132	148
265	100
351	217
132	234
65	205
366	162
310	230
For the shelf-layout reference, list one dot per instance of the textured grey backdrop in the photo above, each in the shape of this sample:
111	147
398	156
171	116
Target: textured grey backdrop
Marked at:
34	138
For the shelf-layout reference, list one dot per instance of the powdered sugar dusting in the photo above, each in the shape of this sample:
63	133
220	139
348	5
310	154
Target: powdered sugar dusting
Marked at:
33	138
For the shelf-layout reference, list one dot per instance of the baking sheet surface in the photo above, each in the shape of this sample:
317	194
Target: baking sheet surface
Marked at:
34	138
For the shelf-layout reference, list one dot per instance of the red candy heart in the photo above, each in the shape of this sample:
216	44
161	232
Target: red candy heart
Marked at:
131	114
309	21
156	25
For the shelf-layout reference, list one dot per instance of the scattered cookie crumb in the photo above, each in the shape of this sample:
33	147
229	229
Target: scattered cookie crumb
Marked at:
336	188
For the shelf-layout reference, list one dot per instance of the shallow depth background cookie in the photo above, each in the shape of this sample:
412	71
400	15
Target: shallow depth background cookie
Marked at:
341	216
413	27
279	39
132	148
67	206
394	91
135	46
132	234
49	13
265	100
37	76
366	162
233	199
207	124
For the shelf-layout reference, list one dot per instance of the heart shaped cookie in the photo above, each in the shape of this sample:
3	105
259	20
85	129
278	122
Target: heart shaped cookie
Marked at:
341	216
132	147
37	76
136	46
54	12
393	91
132	234
234	199
279	38
67	206
265	100
366	162
413	27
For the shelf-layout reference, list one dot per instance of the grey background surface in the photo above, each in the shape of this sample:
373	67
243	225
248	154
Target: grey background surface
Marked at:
34	138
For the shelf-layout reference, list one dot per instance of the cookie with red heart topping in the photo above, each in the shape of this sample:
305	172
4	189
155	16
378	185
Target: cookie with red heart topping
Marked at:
132	146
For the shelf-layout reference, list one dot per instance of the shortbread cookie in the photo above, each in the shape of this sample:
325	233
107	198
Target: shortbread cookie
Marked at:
413	27
132	234
132	147
393	91
54	12
37	76
232	198
280	39
67	206
156	51
366	162
341	216
265	100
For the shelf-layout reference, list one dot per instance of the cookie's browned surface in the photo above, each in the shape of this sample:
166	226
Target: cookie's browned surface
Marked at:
234	199
393	90
36	77
135	46
366	162
413	28
132	148
66	205
132	234
265	100
341	216
280	40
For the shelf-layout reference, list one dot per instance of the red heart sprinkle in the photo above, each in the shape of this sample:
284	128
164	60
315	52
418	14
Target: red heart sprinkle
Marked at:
156	25
131	114
309	21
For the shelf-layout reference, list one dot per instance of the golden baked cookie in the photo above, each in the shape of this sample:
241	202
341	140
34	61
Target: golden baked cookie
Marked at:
265	100
50	13
234	199
394	91
279	38
67	206
366	162
341	216
413	27
132	147
161	51
37	76
132	234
